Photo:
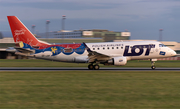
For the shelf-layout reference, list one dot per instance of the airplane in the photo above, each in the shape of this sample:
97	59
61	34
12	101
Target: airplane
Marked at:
107	53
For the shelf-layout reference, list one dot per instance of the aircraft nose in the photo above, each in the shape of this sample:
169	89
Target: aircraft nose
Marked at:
173	53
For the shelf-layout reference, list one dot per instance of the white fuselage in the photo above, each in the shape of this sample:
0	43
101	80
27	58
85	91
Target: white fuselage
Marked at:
132	50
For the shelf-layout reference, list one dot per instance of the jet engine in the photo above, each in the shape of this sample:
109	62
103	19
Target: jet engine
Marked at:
119	61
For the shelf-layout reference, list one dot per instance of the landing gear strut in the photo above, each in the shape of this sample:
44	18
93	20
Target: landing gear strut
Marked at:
93	67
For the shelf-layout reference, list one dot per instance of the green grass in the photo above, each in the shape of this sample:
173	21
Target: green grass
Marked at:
90	90
44	63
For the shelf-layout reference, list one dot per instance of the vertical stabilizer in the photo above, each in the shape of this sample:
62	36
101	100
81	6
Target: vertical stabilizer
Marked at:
21	33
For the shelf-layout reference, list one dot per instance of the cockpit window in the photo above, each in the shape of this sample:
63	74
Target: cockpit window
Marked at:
162	45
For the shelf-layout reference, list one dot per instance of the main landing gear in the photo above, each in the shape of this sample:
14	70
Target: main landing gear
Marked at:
93	67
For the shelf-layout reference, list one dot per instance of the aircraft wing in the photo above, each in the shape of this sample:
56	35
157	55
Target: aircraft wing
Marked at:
93	55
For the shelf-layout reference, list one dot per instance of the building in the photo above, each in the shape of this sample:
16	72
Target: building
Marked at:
106	35
60	34
109	36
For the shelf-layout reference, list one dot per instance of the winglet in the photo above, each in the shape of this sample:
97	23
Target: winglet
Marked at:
87	48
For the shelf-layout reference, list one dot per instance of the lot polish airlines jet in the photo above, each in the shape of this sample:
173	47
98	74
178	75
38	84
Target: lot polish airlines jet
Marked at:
107	53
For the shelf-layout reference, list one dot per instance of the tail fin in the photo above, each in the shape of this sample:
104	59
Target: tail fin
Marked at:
21	33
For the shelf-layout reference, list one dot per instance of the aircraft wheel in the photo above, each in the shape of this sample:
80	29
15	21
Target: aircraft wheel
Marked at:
96	67
153	67
90	67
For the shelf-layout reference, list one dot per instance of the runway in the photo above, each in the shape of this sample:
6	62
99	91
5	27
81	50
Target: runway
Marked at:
83	69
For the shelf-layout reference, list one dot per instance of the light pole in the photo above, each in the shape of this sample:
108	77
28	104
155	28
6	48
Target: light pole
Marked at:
47	28
33	26
63	27
160	34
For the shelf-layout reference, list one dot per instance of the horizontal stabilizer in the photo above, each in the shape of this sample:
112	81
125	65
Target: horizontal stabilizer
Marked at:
11	49
23	54
23	50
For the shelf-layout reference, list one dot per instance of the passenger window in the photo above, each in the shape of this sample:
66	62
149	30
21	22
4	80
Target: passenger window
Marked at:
112	47
93	48
121	47
98	48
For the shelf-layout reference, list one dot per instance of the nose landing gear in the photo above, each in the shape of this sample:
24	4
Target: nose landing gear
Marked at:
153	67
152	64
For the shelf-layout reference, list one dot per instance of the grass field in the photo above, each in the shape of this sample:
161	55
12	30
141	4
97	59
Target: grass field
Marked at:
44	63
90	90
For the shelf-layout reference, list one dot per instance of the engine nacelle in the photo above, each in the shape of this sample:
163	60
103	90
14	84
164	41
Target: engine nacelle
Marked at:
118	61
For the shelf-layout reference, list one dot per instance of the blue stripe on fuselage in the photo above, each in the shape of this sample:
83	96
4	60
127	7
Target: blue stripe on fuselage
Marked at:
57	49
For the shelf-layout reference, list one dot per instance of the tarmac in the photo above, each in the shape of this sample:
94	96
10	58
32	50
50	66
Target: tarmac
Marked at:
83	69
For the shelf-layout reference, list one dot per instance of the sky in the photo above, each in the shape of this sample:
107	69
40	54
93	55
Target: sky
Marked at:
143	18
